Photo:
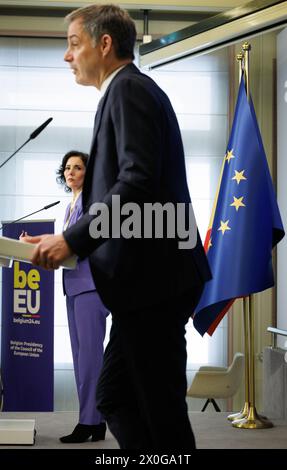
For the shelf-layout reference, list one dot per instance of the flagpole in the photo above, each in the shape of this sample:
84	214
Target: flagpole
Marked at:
252	420
246	47
245	304
239	58
245	409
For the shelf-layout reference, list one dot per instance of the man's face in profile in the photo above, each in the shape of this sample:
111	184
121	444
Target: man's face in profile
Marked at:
83	56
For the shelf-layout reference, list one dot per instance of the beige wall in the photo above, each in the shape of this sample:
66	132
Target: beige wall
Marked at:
176	4
49	27
53	26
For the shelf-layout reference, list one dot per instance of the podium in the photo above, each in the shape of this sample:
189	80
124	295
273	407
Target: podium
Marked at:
20	431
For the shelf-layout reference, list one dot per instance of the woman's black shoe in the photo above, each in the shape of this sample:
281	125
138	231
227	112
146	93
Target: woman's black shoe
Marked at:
83	432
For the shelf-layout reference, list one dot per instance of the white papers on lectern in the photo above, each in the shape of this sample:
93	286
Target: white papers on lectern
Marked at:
22	251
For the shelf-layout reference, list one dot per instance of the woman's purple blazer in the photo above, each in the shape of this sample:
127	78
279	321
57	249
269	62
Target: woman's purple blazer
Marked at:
79	280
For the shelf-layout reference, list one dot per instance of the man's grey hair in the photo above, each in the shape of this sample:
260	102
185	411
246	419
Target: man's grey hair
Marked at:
108	19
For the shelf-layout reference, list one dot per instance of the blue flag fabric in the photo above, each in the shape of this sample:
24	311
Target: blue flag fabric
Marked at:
246	222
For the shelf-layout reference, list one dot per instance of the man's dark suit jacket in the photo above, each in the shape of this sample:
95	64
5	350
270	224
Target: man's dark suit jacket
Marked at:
137	153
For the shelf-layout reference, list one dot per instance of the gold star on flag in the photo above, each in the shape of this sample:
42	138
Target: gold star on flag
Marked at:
209	244
237	202
223	226
239	176
229	155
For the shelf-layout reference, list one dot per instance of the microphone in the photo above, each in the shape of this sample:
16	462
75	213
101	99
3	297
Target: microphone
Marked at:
40	128
50	205
34	134
32	213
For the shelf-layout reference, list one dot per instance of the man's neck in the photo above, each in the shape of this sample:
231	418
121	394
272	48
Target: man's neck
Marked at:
109	70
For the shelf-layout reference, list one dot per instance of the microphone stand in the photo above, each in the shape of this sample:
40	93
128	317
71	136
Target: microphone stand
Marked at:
32	213
2	164
34	134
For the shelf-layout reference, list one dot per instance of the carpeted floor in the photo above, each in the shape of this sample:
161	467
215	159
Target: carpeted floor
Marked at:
212	431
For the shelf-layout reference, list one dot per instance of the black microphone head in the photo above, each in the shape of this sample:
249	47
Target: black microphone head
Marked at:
51	205
40	128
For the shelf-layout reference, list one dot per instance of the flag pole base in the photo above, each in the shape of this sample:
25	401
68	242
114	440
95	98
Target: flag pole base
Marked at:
241	414
252	421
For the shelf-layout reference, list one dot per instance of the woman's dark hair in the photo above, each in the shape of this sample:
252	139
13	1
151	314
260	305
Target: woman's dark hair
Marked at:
60	172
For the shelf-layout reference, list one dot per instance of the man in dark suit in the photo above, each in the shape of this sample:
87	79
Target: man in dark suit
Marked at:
151	283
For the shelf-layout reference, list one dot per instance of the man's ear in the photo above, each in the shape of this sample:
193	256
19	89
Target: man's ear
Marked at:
106	44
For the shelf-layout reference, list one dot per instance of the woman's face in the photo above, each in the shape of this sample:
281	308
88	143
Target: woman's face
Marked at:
75	173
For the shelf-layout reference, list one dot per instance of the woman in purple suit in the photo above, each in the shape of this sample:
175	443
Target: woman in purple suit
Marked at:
86	313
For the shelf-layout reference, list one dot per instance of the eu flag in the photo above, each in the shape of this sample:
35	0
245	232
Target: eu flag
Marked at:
245	224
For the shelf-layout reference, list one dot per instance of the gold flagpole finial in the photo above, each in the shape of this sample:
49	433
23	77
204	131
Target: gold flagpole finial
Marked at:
246	46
